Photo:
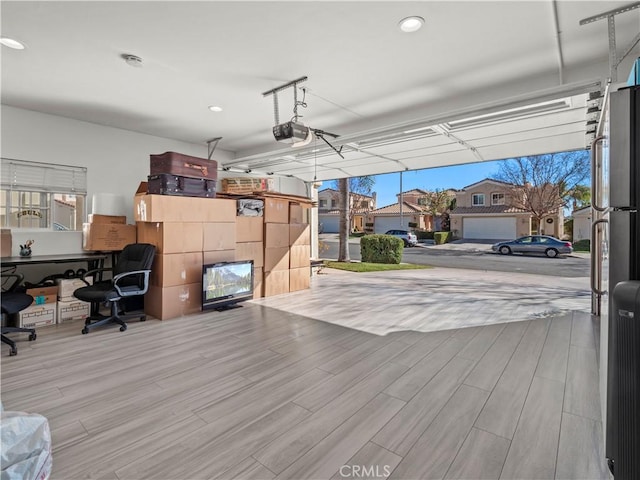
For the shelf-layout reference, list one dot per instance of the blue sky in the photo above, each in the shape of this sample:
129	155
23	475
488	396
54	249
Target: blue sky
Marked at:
457	176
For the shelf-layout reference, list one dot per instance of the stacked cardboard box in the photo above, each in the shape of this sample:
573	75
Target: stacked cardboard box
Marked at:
276	246
69	307
250	246
300	248
6	243
187	232
43	309
107	233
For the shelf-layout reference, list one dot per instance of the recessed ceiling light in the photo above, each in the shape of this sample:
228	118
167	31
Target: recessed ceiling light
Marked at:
11	43
215	108
411	24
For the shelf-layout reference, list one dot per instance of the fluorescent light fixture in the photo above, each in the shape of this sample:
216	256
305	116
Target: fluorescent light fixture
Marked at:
414	130
411	24
513	113
214	108
11	43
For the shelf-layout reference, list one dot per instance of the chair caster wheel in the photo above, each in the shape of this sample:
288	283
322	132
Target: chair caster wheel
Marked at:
32	337
85	330
123	328
143	318
13	353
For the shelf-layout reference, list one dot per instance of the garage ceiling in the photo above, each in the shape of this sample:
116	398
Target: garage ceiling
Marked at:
480	81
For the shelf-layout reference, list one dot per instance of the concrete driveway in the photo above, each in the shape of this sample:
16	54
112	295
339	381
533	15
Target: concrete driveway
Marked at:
475	255
432	299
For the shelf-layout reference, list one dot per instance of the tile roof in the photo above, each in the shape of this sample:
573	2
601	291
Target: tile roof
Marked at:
488	180
485	210
335	211
395	209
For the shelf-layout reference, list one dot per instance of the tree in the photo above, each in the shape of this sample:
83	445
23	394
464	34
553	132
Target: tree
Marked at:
437	203
345	221
346	186
580	196
542	184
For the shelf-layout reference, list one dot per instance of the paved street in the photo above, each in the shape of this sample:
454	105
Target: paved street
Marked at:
475	257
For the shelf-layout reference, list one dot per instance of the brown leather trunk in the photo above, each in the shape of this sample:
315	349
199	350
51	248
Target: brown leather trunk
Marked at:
183	165
167	184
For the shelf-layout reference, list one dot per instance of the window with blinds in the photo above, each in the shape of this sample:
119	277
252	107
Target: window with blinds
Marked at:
42	195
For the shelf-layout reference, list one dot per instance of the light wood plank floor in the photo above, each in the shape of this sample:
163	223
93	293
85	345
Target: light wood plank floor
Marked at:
257	393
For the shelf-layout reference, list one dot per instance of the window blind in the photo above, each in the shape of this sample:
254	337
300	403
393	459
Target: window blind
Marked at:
42	177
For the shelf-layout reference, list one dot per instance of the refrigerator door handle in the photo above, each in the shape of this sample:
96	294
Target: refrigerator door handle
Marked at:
595	193
596	267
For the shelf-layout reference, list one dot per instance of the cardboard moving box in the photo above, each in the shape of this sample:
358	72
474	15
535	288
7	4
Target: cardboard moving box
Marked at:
116	219
276	235
299	279
107	236
171	237
169	208
249	229
66	287
37	316
276	283
6	242
219	236
165	303
251	251
300	256
258	278
276	210
299	234
43	294
217	256
176	269
72	310
276	259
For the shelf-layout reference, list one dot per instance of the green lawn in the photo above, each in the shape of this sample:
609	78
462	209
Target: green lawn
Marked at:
373	267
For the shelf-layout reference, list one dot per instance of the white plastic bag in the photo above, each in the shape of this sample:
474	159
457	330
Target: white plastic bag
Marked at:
26	446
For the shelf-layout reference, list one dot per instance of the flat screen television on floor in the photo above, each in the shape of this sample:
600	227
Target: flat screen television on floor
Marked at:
225	284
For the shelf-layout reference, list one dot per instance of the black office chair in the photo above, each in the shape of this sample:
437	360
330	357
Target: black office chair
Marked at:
130	278
14	302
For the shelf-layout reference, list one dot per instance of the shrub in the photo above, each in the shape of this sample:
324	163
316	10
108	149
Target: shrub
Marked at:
442	237
381	249
424	235
583	245
413	224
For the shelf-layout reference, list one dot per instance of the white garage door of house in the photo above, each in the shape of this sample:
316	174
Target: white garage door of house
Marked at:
330	223
502	228
384	224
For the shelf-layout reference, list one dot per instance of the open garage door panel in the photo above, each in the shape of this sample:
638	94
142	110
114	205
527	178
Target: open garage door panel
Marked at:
384	224
501	228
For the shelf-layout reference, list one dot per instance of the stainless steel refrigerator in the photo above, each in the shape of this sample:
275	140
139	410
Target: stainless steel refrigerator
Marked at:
616	244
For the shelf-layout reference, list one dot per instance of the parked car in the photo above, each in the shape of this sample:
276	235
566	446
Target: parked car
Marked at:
407	237
550	246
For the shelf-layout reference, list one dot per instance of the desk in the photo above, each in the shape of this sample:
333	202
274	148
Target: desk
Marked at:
93	260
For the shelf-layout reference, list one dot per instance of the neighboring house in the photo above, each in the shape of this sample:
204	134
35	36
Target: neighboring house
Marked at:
389	217
582	223
329	210
483	211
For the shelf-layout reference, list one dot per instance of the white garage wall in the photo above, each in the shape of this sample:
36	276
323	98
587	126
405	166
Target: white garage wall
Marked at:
117	161
330	223
500	228
384	224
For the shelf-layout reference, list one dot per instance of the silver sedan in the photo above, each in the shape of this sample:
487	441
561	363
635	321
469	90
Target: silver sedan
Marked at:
550	246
